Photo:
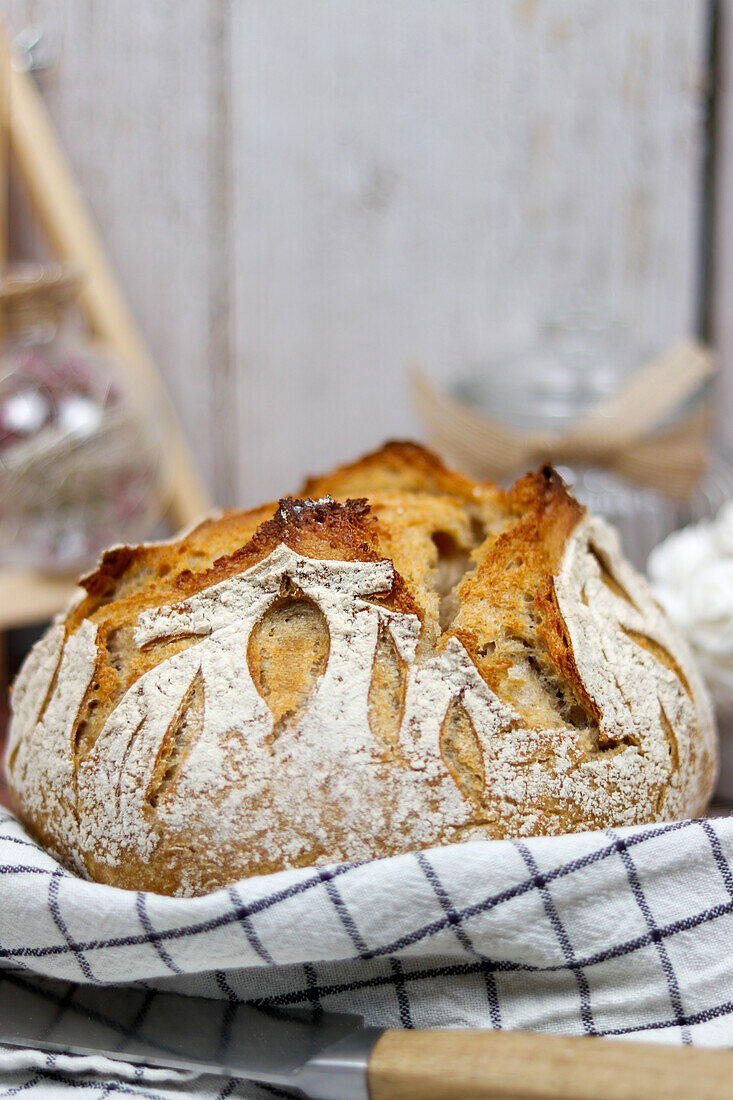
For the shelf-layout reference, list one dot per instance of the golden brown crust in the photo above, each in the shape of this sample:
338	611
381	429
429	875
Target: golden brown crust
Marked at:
397	467
430	659
512	594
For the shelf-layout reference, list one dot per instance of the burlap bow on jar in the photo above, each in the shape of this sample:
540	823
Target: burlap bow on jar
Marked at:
654	430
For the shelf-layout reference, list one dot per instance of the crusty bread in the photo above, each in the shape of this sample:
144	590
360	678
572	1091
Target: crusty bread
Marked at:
409	659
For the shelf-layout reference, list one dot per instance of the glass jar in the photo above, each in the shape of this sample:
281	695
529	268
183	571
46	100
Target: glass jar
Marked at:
577	362
82	461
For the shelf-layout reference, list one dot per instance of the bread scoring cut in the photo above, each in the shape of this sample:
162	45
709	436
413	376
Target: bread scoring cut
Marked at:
401	657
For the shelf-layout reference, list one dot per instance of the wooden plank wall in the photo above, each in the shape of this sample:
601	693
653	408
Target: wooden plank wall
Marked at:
300	197
722	231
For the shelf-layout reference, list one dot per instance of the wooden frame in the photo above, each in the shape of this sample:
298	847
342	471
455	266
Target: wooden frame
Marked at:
27	597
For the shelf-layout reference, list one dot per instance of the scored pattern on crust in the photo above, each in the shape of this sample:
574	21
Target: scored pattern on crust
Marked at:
236	775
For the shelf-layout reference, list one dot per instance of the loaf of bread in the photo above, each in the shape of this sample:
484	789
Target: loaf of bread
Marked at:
399	657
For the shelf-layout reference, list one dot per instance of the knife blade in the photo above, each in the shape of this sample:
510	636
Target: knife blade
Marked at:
322	1055
331	1056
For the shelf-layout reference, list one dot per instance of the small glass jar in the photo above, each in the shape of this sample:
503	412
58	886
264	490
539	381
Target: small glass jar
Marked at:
82	462
577	362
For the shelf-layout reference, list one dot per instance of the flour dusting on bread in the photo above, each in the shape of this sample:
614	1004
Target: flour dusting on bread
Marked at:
402	658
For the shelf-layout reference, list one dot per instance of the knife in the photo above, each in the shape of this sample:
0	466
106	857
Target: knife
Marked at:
333	1056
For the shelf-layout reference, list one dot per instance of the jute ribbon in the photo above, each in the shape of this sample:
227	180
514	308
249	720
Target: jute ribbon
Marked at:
654	430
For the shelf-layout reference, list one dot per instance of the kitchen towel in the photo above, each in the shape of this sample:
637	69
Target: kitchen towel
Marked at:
622	933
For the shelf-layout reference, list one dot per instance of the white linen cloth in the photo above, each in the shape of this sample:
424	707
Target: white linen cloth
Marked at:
618	933
691	575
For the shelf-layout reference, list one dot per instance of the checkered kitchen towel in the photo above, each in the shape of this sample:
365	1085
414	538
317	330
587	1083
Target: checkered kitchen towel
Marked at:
621	933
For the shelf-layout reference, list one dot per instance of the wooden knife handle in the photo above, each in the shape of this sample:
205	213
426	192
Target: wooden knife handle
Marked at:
514	1065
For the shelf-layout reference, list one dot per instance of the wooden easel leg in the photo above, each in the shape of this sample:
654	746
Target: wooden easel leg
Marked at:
67	224
28	138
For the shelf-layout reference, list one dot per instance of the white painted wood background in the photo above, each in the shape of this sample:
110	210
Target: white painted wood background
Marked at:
301	197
